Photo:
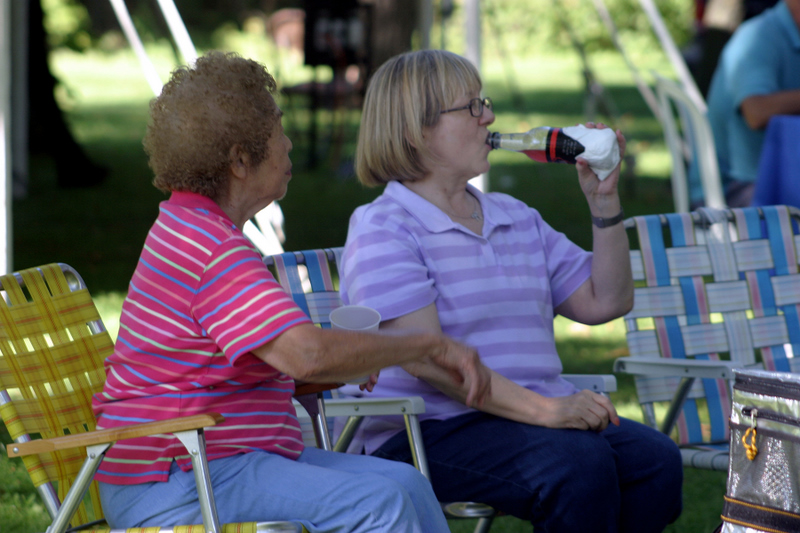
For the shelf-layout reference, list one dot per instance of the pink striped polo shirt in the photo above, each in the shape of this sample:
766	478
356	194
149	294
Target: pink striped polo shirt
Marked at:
495	291
199	301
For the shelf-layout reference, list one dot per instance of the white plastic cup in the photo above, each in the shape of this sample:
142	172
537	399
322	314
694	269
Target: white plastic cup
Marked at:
355	318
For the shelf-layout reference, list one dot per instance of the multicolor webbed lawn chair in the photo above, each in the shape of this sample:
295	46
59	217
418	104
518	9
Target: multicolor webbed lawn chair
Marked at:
716	290
52	348
311	277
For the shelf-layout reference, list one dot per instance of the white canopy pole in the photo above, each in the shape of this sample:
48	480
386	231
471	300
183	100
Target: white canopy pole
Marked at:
132	35
644	89
178	30
473	53
473	30
425	23
264	236
20	100
673	54
6	241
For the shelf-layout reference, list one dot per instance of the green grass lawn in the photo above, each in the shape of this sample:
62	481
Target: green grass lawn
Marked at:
100	231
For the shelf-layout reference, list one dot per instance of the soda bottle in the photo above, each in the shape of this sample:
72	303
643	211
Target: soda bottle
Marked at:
542	144
598	147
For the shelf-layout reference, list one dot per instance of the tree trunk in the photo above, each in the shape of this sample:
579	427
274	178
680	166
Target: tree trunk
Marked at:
48	133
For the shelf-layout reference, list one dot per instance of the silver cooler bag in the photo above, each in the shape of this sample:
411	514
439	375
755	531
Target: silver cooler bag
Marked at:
763	492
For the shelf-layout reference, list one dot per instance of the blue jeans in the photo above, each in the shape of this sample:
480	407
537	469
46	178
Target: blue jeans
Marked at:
325	491
625	479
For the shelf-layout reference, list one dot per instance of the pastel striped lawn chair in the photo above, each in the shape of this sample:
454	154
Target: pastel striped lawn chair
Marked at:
52	348
311	277
716	290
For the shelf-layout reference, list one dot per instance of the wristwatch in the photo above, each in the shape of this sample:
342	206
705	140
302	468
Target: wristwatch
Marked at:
601	222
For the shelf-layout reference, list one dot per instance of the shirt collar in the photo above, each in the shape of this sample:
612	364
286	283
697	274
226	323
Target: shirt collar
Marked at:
437	221
193	200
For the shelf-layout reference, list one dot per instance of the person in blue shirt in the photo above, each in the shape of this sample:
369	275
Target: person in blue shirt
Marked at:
758	76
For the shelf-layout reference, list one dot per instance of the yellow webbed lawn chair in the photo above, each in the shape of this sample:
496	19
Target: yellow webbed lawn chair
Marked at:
52	348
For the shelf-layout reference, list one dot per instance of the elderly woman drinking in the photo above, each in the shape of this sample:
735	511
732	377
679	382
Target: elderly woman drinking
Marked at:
205	328
435	254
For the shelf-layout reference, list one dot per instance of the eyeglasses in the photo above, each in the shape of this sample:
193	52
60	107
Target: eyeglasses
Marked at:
475	106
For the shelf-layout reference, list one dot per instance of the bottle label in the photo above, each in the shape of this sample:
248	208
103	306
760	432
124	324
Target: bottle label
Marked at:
561	148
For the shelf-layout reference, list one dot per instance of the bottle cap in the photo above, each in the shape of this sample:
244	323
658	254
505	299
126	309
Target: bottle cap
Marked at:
492	140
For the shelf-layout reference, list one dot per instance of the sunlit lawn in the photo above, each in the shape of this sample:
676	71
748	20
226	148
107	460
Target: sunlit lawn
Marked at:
100	231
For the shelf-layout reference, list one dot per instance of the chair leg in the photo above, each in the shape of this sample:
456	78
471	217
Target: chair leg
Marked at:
195	443
649	415
484	524
94	456
677	405
347	434
314	404
321	420
49	498
418	455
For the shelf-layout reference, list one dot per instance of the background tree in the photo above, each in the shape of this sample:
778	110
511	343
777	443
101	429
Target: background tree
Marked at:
48	132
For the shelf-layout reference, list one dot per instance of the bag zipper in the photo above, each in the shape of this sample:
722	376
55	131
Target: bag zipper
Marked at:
760	385
771	415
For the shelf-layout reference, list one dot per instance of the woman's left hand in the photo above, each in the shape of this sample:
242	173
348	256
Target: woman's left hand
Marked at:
590	184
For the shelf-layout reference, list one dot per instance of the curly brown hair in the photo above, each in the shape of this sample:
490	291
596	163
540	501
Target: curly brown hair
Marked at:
202	112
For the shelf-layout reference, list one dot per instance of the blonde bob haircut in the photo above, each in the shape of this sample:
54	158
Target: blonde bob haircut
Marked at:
406	95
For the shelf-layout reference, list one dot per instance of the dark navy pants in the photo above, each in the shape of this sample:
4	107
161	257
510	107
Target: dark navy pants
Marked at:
625	479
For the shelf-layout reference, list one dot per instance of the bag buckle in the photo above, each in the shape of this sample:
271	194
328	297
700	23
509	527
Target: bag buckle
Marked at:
750	447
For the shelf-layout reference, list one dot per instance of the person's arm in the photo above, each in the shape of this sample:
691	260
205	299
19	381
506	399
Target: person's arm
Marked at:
313	355
584	410
608	293
757	110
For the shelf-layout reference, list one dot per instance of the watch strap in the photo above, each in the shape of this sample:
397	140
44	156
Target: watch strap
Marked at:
606	222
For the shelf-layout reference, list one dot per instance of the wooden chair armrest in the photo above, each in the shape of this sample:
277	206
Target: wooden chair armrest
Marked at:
173	425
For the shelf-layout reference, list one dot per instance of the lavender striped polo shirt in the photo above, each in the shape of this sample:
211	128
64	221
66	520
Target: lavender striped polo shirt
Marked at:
199	301
495	291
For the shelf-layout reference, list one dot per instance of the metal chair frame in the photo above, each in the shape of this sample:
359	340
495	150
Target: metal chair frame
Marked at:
688	136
